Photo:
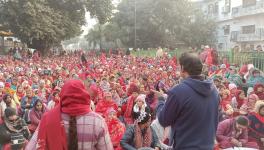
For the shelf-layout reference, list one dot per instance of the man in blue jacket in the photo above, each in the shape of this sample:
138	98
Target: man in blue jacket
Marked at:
191	108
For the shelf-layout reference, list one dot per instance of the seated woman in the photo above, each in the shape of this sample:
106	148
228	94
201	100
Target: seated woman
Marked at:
254	78
27	104
249	106
259	90
55	100
238	101
256	126
162	133
141	134
14	132
106	103
115	127
226	108
35	115
19	93
140	106
233	133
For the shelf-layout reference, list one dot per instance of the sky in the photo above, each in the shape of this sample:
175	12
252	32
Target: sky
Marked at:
91	22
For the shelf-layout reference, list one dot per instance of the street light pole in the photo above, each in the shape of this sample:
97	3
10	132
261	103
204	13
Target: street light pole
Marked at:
135	21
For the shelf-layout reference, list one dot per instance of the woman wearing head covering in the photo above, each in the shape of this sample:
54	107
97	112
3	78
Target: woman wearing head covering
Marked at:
36	114
55	100
140	134
259	90
105	104
14	132
226	107
61	127
249	105
127	108
234	77
255	77
152	101
238	101
256	126
19	93
140	106
115	127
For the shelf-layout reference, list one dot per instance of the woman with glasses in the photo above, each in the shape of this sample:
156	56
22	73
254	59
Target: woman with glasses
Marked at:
14	132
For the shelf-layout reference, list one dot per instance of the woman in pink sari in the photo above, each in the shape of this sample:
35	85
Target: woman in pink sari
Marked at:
36	114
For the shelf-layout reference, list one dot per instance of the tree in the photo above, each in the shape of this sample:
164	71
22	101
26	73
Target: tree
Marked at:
43	23
158	23
94	37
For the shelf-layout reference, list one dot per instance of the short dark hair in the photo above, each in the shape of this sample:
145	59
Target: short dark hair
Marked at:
191	63
242	120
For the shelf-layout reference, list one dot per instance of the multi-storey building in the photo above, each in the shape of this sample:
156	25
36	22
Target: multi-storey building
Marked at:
240	23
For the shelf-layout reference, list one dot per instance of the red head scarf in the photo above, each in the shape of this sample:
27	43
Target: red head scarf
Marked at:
132	88
75	101
240	101
259	94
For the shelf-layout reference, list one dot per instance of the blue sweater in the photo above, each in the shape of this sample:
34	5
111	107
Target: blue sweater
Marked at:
192	111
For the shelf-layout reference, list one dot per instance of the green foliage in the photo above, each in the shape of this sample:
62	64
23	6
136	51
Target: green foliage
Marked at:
43	23
94	36
163	23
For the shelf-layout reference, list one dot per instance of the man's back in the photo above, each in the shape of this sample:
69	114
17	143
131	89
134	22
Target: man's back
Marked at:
192	111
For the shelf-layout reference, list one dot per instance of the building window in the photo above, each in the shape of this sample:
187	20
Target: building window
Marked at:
226	29
227	7
210	9
248	29
220	45
247	3
216	9
227	2
235	11
234	36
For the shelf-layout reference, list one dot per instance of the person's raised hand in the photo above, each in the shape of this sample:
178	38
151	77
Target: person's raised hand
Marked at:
158	93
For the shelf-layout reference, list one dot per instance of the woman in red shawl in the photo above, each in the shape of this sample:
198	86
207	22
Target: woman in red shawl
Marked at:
127	108
115	127
259	91
226	107
105	104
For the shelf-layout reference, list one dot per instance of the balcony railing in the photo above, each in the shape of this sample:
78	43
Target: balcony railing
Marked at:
249	10
257	36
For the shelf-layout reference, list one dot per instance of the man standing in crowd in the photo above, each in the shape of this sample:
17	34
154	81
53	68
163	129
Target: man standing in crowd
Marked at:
191	108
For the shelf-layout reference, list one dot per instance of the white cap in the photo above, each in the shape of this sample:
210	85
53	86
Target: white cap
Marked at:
2	84
231	86
141	97
223	66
